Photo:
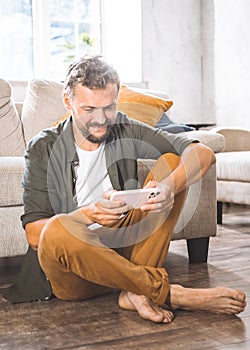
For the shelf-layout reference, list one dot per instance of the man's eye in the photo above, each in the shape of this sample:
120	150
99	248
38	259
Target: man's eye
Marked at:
89	110
110	108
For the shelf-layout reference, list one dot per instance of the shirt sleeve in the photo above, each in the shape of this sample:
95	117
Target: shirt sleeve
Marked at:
152	142
35	189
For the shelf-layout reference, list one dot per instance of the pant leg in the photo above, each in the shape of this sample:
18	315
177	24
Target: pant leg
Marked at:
153	250
75	267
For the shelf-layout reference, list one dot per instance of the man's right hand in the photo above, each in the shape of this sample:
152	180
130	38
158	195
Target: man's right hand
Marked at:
105	212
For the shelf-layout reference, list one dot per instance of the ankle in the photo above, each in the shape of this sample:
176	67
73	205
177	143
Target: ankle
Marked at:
175	296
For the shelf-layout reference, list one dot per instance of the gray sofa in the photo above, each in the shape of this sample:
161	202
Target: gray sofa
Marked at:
41	108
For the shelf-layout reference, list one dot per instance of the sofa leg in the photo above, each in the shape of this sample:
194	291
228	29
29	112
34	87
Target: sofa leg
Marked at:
219	212
198	249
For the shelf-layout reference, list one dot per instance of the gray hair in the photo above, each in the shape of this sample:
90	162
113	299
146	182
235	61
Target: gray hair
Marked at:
90	71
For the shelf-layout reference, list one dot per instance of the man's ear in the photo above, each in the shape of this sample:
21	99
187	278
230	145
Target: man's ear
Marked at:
66	101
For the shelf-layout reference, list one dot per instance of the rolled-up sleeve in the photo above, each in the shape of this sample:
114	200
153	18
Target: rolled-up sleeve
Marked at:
151	142
35	195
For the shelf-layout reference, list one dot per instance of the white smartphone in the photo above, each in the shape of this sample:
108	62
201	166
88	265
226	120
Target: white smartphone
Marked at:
135	198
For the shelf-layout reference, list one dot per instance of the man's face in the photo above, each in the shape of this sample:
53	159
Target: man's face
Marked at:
93	112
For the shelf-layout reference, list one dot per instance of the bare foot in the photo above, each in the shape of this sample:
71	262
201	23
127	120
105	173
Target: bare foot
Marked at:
145	307
218	300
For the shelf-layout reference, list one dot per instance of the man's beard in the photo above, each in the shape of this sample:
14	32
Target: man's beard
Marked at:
92	138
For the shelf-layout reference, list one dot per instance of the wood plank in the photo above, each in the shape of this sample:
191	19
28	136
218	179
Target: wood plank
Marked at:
100	324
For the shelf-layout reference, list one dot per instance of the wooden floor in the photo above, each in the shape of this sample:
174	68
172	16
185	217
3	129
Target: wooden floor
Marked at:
99	324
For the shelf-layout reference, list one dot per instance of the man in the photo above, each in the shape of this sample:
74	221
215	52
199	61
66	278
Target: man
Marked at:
89	245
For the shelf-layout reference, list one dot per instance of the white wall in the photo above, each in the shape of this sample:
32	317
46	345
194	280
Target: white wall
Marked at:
208	57
172	54
199	52
232	62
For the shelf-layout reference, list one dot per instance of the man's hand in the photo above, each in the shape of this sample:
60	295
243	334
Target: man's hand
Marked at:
163	201
105	212
195	162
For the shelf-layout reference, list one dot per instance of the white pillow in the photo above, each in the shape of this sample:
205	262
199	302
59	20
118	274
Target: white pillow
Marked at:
43	106
11	135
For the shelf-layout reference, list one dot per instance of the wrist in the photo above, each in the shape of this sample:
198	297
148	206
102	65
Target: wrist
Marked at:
169	182
83	212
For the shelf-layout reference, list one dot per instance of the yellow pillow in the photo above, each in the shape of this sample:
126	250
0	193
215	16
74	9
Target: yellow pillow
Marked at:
66	116
138	105
142	106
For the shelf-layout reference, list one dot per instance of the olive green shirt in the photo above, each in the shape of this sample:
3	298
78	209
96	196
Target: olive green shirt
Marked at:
49	179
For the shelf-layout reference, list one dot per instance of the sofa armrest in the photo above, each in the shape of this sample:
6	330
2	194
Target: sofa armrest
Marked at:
236	139
211	139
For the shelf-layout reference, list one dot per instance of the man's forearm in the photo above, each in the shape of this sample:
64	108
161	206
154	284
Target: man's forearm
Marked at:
195	162
33	231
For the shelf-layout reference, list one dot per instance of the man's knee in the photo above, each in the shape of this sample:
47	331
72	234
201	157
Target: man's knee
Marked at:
53	229
57	242
170	160
163	167
68	231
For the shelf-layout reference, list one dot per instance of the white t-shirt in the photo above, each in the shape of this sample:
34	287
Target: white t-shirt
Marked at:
92	178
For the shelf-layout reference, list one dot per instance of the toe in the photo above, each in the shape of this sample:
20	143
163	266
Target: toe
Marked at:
168	317
240	295
152	316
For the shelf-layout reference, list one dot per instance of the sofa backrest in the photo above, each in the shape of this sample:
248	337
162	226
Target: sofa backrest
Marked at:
237	139
43	106
11	135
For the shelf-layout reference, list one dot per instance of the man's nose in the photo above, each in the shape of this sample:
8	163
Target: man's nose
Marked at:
100	115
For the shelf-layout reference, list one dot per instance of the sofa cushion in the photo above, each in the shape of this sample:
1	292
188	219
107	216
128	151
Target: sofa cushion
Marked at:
11	135
142	106
166	124
13	239
11	176
233	192
233	166
43	105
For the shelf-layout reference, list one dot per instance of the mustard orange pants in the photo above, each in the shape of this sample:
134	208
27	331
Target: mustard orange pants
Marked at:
81	263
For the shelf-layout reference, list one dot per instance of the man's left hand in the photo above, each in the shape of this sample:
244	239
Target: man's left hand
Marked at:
163	201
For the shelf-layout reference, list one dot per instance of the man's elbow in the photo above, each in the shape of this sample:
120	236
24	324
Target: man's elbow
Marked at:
204	153
207	155
211	156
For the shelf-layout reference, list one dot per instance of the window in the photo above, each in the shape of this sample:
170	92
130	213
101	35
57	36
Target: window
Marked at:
41	37
16	48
